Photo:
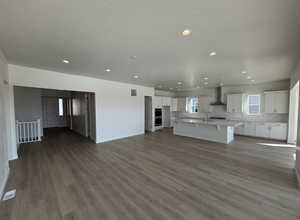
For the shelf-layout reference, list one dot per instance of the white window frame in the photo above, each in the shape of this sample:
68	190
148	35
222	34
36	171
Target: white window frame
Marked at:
248	104
60	107
189	106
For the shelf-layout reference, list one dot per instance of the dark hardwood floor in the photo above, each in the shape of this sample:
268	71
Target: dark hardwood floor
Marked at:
153	176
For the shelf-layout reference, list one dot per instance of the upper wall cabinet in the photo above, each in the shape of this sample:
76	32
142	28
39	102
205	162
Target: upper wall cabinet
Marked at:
235	103
160	101
157	102
277	102
166	101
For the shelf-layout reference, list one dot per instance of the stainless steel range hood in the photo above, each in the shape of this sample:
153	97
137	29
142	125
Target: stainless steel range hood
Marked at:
219	97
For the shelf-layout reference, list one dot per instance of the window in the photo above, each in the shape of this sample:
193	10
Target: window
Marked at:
192	105
60	107
254	104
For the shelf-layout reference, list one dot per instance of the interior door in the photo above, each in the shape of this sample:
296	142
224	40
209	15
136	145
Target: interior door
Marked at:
51	117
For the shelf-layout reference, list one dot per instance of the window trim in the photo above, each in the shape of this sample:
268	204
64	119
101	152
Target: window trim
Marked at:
61	112
189	105
248	104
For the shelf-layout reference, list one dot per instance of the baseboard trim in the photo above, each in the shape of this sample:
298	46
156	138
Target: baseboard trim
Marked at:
120	137
298	177
2	187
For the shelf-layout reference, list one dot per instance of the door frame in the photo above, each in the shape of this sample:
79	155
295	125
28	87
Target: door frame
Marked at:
293	114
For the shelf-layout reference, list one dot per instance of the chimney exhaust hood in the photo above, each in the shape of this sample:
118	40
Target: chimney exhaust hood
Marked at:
219	97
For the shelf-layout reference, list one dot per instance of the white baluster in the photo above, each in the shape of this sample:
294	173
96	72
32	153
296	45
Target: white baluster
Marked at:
39	129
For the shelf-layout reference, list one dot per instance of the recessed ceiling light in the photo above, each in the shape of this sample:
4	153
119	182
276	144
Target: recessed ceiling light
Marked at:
205	78
211	54
136	76
248	77
244	72
108	70
253	80
171	88
186	32
66	61
179	83
205	83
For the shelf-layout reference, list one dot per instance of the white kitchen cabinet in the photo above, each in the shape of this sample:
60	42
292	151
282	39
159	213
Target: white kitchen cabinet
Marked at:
269	102
277	102
157	102
271	130
250	128
235	103
166	101
268	130
282	102
174	104
262	130
278	131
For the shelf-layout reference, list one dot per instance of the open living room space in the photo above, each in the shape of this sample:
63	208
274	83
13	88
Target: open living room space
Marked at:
141	110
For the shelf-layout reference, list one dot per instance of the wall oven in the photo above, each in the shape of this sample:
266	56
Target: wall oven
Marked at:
158	117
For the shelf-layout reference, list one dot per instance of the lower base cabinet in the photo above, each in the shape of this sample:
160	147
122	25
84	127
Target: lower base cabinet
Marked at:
249	129
262	130
276	131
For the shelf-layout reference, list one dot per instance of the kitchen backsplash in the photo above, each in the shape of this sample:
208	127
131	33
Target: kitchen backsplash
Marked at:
220	111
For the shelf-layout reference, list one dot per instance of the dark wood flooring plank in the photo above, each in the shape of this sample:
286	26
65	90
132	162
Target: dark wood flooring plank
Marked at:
152	176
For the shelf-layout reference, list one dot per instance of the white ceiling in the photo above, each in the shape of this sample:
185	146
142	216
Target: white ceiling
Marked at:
259	36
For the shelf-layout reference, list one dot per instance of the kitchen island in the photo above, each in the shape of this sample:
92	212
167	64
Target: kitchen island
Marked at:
221	131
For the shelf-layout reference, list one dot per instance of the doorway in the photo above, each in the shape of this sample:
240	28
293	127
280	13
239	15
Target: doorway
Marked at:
293	114
148	113
54	112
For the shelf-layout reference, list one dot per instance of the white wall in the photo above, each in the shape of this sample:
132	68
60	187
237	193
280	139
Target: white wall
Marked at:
118	114
28	104
5	140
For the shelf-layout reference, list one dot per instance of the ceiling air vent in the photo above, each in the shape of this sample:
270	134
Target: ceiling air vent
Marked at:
133	92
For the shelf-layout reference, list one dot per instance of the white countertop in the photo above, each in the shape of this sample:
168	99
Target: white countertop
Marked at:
215	122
